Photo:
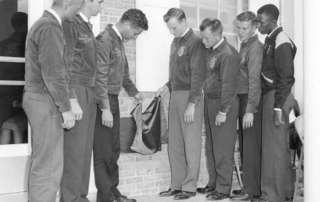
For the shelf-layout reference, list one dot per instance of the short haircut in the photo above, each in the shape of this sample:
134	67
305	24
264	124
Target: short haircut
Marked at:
214	25
18	20
136	17
247	16
270	10
174	13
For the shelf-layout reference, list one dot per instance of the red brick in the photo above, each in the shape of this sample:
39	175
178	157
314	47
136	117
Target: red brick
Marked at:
126	158
107	4
127	173
146	185
148	171
133	180
112	12
162	183
144	158
152	178
122	6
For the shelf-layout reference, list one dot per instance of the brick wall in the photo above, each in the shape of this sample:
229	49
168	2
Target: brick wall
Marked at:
141	174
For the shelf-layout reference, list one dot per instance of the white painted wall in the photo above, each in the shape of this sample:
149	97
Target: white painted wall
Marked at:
153	46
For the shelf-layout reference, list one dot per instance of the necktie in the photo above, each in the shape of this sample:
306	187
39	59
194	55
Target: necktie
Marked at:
242	45
266	42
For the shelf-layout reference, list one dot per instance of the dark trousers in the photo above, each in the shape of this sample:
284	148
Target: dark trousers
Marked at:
250	149
46	160
184	146
78	143
106	152
220	145
276	172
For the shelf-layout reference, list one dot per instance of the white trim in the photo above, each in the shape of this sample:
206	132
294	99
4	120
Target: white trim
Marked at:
11	83
12	59
14	150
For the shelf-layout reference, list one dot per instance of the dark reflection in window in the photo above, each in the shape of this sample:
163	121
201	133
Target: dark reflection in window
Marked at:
13	32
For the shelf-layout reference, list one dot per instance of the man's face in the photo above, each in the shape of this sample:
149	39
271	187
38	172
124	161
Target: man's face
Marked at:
131	32
73	8
245	30
176	27
265	23
95	7
209	38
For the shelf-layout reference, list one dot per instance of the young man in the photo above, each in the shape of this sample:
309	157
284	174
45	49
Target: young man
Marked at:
187	75
47	99
249	109
112	74
78	141
221	107
277	79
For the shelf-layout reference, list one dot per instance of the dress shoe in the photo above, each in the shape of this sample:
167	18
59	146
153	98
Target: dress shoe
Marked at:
289	199
123	199
217	196
205	190
237	192
169	192
184	195
243	197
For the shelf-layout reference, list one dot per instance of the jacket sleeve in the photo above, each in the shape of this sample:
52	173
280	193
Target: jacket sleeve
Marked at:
198	71
127	83
229	70
101	86
53	66
285	69
254	69
70	35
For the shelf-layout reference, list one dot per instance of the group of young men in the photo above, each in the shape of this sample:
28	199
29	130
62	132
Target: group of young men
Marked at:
71	100
68	72
252	86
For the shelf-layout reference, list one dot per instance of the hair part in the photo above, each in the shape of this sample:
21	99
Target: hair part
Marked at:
248	16
136	18
214	24
174	13
270	10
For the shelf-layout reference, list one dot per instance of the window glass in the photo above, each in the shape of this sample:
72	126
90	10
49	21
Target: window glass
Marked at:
13	32
228	19
207	11
190	9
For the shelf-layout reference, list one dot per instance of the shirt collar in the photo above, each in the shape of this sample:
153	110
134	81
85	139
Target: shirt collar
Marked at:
218	44
273	31
249	38
84	18
55	14
185	32
117	31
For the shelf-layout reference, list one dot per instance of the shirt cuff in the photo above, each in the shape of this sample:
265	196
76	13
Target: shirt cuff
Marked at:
277	109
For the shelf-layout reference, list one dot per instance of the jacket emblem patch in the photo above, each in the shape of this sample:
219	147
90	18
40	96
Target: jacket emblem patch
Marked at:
85	38
212	62
181	51
117	52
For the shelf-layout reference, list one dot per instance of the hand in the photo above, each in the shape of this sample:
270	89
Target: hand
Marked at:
68	120
76	109
220	119
163	90
139	98
277	118
247	120
107	118
188	116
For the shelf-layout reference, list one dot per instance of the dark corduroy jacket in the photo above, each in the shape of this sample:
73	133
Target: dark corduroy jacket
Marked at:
46	68
81	52
223	66
277	71
250	69
112	67
187	65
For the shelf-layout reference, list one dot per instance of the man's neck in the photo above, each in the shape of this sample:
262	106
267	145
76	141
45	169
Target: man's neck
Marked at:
60	12
86	13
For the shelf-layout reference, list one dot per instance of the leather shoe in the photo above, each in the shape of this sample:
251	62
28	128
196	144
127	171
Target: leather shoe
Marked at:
184	195
243	197
237	192
289	199
169	192
205	190
123	199
217	196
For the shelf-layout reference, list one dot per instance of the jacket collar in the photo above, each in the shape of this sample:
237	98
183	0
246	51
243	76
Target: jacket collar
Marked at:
112	32
53	15
274	34
222	45
250	41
